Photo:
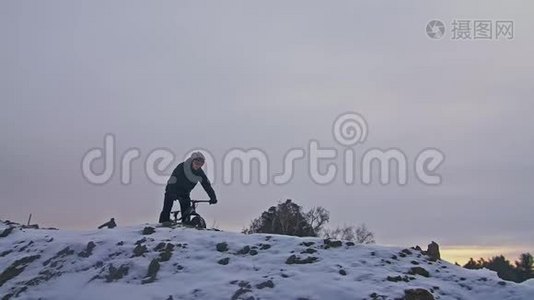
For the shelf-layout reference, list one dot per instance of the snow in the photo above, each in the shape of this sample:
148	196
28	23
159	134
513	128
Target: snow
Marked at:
529	282
193	271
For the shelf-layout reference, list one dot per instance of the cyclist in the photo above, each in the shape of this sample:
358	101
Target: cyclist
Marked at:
183	179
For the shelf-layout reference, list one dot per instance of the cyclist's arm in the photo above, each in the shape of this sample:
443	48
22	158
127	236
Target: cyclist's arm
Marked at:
207	186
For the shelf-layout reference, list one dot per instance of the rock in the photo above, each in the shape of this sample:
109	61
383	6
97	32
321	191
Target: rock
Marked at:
265	284
148	230
240	292
433	251
253	252
342	272
308	251
264	246
222	247
375	296
328	243
406	251
419	271
153	269
16	268
350	243
6	232
417	294
7	222
394	278
165	255
26	246
244	250
62	253
293	259
116	274
139	250
88	250
139	242
224	261
159	246
109	224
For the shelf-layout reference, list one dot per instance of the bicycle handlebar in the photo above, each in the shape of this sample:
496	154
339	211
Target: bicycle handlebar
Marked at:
200	201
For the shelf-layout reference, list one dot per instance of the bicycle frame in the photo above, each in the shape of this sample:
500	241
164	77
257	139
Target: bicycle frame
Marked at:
190	212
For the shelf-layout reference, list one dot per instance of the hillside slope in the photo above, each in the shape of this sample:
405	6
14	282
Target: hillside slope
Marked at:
145	262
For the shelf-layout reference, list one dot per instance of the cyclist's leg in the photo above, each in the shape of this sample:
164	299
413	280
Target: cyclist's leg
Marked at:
165	215
185	204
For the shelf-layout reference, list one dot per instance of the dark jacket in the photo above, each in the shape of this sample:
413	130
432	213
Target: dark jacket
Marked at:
183	181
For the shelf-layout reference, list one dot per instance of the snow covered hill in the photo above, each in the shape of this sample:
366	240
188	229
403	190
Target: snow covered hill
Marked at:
149	262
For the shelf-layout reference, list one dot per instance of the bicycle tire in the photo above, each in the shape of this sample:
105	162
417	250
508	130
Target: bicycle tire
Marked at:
198	222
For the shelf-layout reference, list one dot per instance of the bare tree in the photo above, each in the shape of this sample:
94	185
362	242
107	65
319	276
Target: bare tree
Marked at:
317	217
360	234
364	236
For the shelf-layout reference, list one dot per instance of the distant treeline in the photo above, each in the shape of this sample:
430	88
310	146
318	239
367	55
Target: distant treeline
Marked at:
520	271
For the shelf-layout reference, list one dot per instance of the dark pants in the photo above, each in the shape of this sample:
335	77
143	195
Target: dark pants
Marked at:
168	201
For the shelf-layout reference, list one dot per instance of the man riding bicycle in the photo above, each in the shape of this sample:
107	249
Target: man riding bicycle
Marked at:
183	179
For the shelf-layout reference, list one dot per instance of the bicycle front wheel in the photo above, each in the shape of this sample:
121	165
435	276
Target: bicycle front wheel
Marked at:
198	222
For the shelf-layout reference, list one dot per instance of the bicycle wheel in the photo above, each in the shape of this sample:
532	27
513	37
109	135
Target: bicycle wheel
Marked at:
198	222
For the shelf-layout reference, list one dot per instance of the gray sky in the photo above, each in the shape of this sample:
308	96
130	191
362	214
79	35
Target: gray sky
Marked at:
270	75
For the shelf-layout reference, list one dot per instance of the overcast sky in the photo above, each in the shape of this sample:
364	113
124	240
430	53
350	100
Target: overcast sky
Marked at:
271	75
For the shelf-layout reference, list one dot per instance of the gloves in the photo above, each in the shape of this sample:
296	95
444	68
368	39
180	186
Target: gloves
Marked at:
213	201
